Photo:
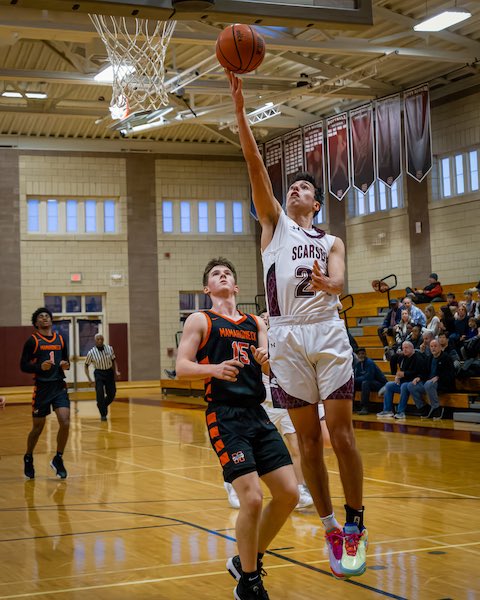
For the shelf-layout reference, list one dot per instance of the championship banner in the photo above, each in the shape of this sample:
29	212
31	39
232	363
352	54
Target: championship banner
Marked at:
293	155
418	132
338	155
274	164
313	144
389	139
253	210
361	133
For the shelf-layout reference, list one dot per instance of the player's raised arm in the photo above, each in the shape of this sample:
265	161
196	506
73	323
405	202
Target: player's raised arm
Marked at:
266	205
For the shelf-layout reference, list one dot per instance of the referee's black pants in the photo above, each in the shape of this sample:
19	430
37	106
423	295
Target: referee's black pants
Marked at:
105	389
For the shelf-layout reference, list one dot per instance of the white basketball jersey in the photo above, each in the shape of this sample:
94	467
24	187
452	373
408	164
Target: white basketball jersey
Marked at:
288	264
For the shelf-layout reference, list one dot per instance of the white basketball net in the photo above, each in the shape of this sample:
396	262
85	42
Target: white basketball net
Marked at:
136	49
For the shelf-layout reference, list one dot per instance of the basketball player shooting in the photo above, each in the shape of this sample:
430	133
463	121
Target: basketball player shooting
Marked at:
309	352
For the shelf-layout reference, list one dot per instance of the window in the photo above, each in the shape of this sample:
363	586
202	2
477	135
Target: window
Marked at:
90	216
33	210
185	225
71	216
379	197
473	162
458	174
93	304
220	224
320	218
167	212
109	216
203	217
190	302
237	217
73	303
52	216
72	222
53	303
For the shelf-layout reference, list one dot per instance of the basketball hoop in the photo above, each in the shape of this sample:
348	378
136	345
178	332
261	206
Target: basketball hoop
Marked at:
136	49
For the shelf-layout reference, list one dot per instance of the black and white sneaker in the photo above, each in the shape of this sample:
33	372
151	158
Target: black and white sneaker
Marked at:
28	468
57	465
254	592
234	567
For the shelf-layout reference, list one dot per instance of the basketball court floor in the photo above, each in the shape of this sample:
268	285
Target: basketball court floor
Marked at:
143	513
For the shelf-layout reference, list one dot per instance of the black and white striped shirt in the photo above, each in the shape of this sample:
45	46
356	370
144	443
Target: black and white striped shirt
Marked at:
101	359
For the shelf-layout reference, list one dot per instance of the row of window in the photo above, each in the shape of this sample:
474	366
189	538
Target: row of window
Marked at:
203	217
459	174
71	216
379	197
73	303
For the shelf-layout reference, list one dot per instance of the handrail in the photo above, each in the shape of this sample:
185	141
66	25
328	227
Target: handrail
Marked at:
382	289
343	311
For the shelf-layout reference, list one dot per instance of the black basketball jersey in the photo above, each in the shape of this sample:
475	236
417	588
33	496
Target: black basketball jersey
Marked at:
225	340
52	348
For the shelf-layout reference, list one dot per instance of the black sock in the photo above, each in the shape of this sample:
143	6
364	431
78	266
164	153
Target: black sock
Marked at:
250	579
354	517
260	556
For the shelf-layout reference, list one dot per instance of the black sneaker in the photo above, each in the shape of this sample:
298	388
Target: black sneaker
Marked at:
255	592
234	567
424	411
362	411
57	465
437	413
103	418
28	467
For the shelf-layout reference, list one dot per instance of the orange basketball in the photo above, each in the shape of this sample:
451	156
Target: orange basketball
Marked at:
240	48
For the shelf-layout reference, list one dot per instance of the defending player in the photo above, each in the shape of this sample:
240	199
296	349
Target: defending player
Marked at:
310	355
45	354
228	350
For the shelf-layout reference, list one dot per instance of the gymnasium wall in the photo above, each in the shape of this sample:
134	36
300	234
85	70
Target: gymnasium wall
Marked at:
48	260
454	222
182	270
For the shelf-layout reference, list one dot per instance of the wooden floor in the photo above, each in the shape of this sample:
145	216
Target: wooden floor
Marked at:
143	513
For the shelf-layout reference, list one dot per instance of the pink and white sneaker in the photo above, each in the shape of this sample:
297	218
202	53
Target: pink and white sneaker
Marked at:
334	540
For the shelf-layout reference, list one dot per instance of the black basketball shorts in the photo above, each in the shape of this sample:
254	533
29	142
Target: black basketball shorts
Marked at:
48	395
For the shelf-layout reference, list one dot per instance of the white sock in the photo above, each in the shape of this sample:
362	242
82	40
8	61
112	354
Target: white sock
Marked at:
330	522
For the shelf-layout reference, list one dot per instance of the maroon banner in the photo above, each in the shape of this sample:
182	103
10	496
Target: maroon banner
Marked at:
293	155
418	140
338	155
313	144
274	164
363	162
389	139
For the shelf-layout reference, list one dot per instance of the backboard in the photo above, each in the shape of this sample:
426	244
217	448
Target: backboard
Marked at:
298	13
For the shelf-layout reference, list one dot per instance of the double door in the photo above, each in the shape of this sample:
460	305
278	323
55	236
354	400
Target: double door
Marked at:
79	334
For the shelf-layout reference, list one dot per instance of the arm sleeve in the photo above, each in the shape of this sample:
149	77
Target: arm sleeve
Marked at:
65	355
26	364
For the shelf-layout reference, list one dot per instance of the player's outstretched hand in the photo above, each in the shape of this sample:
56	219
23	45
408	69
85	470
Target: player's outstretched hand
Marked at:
65	365
259	354
236	90
227	370
319	280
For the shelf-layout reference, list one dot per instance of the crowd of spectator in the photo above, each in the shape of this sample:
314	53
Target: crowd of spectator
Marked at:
427	350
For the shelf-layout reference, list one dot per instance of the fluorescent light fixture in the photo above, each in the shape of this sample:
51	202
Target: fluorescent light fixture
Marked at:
443	20
106	74
12	95
36	95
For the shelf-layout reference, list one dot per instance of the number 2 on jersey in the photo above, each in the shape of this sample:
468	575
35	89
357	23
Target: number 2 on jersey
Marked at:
304	289
240	352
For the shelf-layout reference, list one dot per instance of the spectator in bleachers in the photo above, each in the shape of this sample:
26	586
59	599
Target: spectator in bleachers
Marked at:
416	315
412	365
392	318
402	331
476	310
367	378
471	348
447	321
469	303
432	292
460	331
433	322
427	336
448	349
472	328
451	302
415	336
440	379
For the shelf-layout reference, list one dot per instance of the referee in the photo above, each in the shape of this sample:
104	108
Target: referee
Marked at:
103	359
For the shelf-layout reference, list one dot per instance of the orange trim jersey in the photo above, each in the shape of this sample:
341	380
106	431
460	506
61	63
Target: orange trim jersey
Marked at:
38	349
225	340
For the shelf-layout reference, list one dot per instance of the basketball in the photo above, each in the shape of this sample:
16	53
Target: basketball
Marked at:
240	48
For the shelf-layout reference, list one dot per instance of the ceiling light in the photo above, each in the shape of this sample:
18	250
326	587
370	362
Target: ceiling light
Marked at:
12	95
443	20
106	74
36	95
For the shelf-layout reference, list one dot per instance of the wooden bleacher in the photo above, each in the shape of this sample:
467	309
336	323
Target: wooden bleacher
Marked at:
370	304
